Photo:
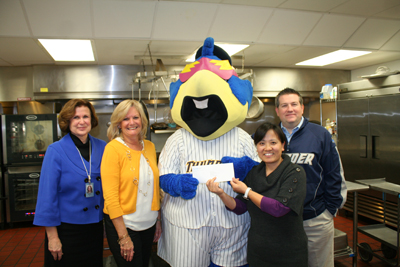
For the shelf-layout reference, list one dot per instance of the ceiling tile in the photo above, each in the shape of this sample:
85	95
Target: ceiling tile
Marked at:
373	34
196	1
245	28
183	21
289	27
312	5
123	19
4	63
12	19
121	51
22	49
264	3
366	60
291	57
61	19
390	13
255	54
122	29
393	44
333	30
365	7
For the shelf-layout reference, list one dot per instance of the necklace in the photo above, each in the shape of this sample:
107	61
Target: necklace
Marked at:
135	179
90	163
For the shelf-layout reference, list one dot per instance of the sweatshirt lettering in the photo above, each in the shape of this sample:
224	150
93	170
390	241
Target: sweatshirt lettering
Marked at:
301	158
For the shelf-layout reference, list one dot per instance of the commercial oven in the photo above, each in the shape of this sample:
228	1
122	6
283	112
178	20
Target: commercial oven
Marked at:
25	140
21	185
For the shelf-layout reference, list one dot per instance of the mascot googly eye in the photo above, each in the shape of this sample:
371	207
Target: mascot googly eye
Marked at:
209	99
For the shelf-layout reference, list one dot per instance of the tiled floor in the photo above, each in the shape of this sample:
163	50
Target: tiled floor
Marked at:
22	245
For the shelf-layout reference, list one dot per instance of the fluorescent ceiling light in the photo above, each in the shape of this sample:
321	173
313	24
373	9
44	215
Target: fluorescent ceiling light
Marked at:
68	50
231	49
333	57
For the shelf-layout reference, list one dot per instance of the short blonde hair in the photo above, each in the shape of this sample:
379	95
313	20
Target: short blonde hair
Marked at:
119	114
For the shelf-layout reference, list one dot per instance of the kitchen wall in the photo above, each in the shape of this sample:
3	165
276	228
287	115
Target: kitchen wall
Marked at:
16	82
45	82
357	73
108	84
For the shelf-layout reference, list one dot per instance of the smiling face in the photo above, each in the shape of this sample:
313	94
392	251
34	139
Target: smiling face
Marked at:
290	110
80	124
270	149
131	125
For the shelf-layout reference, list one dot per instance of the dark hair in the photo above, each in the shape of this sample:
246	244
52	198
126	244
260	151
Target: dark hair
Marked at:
68	112
264	128
287	91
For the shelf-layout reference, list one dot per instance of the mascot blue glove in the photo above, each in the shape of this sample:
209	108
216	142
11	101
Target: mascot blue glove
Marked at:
241	166
176	185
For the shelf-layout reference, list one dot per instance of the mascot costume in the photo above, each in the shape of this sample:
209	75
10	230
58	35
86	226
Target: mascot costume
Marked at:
208	102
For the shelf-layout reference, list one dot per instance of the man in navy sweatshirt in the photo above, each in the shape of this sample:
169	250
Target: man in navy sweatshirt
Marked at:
311	146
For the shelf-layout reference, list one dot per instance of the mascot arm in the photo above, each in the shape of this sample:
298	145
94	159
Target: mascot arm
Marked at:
176	185
241	166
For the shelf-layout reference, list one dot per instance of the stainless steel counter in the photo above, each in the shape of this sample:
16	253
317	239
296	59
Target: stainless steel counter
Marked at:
380	184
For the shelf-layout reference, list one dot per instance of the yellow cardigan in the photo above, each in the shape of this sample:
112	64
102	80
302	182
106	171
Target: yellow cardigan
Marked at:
120	193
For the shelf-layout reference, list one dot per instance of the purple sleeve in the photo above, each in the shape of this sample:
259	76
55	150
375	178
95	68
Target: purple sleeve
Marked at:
240	207
273	207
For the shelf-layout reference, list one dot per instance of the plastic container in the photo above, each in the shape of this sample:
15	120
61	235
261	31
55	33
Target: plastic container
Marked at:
334	93
328	125
326	91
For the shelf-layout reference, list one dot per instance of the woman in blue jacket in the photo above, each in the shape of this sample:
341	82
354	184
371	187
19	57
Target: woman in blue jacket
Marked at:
70	198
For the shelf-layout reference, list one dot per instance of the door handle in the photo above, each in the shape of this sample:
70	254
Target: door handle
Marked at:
375	147
363	146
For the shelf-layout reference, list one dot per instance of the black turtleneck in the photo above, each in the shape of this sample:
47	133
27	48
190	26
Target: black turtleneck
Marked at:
83	148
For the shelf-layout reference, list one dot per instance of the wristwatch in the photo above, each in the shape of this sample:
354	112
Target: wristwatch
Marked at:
246	194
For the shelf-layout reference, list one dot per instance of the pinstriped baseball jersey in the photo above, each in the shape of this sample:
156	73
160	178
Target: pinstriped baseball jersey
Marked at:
183	151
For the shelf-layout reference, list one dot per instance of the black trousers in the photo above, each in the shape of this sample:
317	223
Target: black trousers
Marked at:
142	242
82	245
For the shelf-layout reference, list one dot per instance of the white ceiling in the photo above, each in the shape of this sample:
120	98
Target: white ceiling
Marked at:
280	32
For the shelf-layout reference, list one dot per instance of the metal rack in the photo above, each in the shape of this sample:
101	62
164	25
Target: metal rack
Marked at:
348	251
321	102
388	237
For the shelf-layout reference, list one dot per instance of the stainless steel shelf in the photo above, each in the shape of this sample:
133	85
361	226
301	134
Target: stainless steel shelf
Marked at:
380	233
380	184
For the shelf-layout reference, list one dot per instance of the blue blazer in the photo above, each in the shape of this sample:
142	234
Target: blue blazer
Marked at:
61	196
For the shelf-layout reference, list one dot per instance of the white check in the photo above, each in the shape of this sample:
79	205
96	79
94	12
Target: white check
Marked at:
223	172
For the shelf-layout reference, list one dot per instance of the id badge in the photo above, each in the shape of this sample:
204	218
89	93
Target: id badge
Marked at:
89	189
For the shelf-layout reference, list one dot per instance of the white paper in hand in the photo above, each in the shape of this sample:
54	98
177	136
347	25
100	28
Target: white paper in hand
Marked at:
223	172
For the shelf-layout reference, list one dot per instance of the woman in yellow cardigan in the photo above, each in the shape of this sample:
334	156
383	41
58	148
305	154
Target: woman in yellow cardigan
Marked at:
131	189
